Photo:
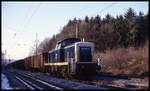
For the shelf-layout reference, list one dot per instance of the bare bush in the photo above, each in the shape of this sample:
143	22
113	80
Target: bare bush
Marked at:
125	60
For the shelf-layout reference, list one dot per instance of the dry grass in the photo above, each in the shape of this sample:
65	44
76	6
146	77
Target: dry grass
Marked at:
126	60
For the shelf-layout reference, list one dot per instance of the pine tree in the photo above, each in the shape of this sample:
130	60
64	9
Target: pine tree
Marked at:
130	17
97	20
141	28
87	19
108	18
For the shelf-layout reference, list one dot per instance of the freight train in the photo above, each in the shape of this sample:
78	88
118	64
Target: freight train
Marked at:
71	56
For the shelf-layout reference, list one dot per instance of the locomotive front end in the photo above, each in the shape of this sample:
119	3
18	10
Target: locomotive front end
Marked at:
84	58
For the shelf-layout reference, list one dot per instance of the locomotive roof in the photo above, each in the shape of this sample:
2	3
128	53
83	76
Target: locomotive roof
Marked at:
68	39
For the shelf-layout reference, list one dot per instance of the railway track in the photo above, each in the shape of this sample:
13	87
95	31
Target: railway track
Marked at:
37	81
31	81
34	83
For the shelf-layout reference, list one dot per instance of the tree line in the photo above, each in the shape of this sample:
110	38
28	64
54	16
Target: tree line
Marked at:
126	30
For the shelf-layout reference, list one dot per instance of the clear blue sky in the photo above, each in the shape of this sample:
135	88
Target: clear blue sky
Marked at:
22	20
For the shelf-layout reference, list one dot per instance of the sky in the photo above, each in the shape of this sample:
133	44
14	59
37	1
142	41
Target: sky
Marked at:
21	21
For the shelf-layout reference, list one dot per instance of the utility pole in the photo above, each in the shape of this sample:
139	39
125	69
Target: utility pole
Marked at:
35	51
5	57
36	43
77	29
9	59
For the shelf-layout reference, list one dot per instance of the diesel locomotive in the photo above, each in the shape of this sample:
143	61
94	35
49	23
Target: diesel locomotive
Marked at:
71	56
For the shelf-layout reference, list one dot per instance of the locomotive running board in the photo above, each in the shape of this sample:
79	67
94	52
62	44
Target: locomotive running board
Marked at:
54	64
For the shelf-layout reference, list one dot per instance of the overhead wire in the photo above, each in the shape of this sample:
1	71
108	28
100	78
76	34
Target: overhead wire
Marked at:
33	13
27	20
108	7
86	8
22	25
27	15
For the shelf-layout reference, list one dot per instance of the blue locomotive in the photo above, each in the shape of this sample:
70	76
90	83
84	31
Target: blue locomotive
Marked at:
71	56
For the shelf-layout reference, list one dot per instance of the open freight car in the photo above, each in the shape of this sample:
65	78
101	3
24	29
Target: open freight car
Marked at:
19	64
36	62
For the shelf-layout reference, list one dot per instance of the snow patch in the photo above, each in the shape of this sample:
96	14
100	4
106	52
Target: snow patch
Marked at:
4	81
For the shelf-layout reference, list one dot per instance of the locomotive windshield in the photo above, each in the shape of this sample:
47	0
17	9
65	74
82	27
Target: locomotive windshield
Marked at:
85	54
